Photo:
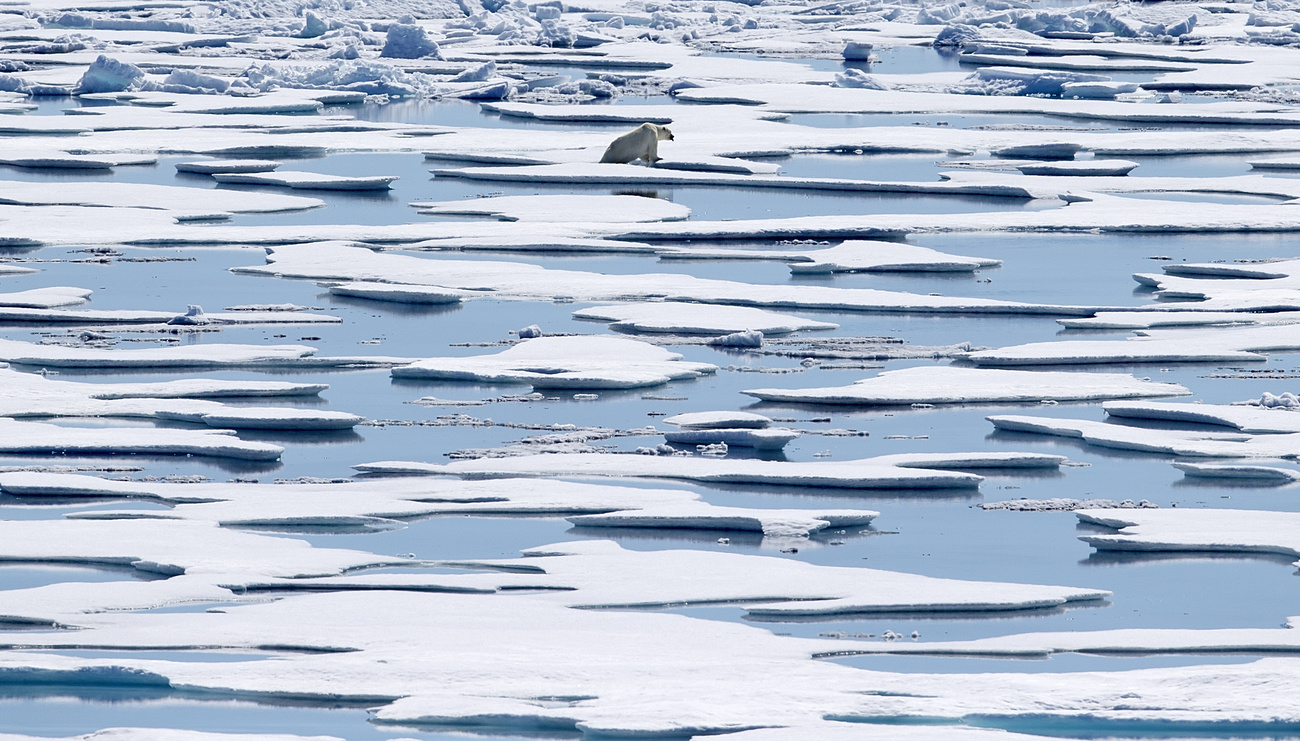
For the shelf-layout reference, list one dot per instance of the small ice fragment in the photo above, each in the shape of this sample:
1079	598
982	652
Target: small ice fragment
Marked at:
748	338
530	332
857	51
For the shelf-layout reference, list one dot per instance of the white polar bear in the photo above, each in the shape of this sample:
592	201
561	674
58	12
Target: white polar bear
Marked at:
640	143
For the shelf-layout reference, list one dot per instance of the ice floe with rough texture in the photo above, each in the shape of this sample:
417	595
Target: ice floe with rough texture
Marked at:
562	208
46	439
945	384
681	318
565	362
1171	442
772	438
182	356
901	471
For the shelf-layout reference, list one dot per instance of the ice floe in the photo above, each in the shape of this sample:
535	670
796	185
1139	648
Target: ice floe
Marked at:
211	167
1199	530
681	318
718	420
946	384
848	257
46	439
340	261
565	208
909	471
387	503
773	438
45	298
565	362
1246	418
1170	442
182	356
24	395
306	180
1201	345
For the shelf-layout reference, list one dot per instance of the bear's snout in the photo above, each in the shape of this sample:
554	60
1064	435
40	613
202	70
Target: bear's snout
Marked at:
670	136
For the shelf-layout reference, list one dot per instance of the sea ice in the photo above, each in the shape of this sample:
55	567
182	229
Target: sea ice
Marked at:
31	395
682	318
1172	442
565	362
851	256
1190	529
35	438
945	384
1255	420
182	356
562	208
307	180
210	167
773	438
715	420
909	471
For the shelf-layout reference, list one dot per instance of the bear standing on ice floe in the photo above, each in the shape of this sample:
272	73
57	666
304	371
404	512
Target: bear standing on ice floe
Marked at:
641	143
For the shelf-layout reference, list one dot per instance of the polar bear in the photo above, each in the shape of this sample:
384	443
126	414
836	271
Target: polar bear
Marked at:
640	143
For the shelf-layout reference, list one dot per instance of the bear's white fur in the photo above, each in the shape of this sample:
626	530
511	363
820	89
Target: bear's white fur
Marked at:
641	143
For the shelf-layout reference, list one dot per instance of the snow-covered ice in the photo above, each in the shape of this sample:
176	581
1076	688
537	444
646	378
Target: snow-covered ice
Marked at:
566	208
945	384
902	471
682	318
593	362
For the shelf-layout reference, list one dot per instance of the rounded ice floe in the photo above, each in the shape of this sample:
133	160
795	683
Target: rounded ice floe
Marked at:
307	180
46	439
45	298
565	362
562	208
946	384
211	167
1077	168
715	420
1097	89
773	438
398	293
682	318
